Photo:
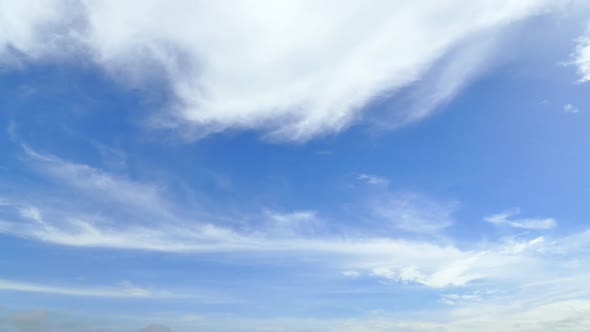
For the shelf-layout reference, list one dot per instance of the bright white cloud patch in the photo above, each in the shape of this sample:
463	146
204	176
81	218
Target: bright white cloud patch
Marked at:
295	69
505	218
582	57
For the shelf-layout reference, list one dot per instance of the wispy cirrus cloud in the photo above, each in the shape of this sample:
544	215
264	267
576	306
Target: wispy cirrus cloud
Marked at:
248	64
97	183
506	218
162	228
124	290
413	212
427	263
293	223
532	270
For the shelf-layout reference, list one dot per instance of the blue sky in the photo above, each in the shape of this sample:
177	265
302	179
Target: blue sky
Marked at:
294	166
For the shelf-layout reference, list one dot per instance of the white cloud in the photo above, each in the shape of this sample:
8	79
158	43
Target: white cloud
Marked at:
569	108
125	290
292	217
161	227
582	56
504	218
351	274
414	213
295	223
467	298
97	183
21	22
429	264
455	274
373	179
294	69
445	79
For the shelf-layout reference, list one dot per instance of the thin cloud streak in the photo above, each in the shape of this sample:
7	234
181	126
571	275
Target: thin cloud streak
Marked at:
125	291
423	262
505	218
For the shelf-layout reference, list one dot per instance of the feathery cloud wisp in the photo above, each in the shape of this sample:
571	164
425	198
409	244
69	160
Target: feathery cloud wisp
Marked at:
124	290
504	218
428	263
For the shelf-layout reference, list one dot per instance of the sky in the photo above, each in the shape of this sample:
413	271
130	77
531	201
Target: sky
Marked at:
181	166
